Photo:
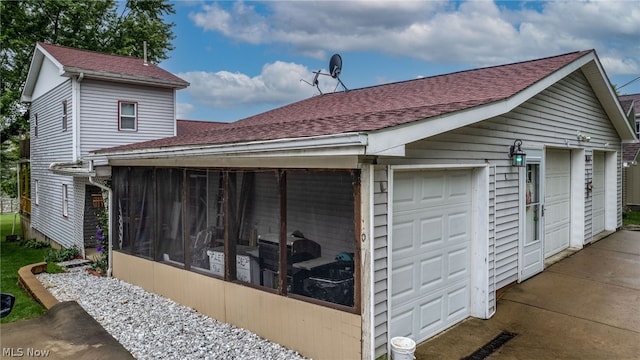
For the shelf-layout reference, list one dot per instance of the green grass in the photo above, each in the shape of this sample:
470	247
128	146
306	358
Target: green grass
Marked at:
13	257
631	218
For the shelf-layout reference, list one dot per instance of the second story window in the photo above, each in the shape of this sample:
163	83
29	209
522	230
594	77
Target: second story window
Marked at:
64	115
35	127
128	115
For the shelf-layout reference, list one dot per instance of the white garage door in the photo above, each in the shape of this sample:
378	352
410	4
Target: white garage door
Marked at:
557	216
598	193
430	258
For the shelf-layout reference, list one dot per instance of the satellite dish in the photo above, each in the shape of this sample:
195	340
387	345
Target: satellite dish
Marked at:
335	65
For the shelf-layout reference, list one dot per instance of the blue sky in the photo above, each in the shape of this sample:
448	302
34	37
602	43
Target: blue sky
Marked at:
243	58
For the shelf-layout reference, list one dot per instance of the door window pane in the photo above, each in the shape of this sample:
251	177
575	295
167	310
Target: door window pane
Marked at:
532	198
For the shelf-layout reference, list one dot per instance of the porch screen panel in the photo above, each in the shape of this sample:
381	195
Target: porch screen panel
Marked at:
205	225
141	189
320	208
254	224
169	183
120	185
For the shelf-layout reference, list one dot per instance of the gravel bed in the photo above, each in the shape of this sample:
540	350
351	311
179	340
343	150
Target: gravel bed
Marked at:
150	326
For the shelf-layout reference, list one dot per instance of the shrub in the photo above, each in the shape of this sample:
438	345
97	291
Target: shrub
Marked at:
101	263
34	244
60	255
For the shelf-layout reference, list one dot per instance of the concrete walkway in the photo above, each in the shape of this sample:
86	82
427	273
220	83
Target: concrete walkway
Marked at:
586	306
66	331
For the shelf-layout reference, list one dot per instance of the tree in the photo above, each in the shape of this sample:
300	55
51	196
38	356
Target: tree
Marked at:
100	25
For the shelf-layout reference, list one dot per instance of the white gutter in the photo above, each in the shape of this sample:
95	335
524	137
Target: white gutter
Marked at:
109	216
74	168
356	141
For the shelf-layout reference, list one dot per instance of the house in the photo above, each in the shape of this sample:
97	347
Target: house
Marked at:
631	170
82	101
333	224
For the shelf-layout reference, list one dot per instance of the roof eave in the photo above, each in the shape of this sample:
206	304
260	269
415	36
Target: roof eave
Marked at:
337	144
608	98
74	71
75	169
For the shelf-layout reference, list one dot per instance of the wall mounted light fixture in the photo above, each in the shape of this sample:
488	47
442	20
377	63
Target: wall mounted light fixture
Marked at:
516	154
583	137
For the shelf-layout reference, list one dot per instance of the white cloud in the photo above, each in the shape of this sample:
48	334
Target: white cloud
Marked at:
278	83
473	32
184	110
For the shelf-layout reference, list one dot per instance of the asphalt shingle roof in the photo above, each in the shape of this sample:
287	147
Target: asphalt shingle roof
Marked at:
377	107
76	60
186	127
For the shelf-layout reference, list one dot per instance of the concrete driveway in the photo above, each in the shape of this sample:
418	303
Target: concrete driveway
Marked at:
586	306
66	331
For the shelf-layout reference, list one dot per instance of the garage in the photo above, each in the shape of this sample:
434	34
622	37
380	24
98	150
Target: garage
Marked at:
598	194
430	251
557	207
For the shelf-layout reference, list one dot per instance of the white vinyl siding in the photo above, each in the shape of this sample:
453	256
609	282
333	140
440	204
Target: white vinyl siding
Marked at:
380	264
51	145
551	118
99	111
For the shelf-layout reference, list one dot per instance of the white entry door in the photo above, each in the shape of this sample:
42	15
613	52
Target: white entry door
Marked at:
532	259
557	201
430	252
598	194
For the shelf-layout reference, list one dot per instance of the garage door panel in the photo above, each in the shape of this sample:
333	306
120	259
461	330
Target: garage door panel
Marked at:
402	319
403	280
557	213
458	223
432	189
404	233
431	231
437	293
457	302
432	272
598	194
431	314
458	263
459	188
403	192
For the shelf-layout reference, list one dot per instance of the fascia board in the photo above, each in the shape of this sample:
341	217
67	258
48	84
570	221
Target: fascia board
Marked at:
39	55
72	71
328	145
607	96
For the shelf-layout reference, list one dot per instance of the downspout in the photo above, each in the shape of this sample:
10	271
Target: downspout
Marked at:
110	215
75	121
